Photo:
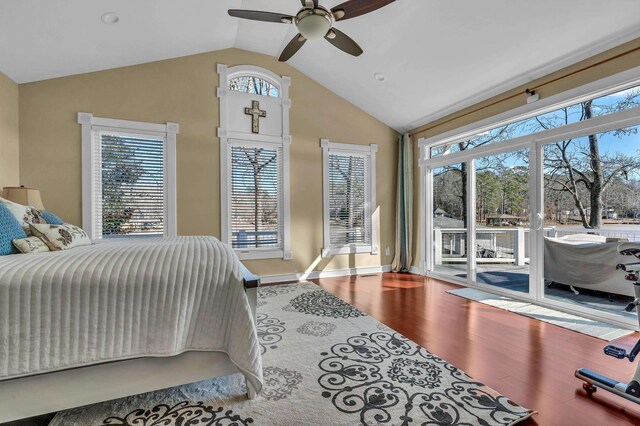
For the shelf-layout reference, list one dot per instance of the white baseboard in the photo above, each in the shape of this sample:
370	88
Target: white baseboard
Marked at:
415	270
301	276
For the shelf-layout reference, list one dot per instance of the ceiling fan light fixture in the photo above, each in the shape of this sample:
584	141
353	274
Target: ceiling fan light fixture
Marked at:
314	24
339	14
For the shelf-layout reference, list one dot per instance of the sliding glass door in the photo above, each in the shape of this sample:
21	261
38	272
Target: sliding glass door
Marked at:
502	215
536	209
591	206
480	221
449	221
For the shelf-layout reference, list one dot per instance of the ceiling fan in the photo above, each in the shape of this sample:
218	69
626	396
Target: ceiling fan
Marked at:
315	22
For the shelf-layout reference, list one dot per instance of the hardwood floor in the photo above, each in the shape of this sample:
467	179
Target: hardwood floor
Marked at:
529	361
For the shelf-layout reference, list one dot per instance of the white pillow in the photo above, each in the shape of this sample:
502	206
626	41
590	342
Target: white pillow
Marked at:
60	237
24	214
30	245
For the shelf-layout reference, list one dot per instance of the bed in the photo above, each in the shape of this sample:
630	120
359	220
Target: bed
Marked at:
121	317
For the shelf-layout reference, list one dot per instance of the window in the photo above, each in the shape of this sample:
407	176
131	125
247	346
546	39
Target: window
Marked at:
256	188
254	165
253	85
505	196
128	178
592	107
130	182
349	198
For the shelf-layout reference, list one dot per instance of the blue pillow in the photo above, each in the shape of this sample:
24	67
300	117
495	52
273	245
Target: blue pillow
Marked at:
10	229
51	218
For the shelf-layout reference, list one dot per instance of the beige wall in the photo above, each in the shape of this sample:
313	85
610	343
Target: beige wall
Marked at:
616	60
183	90
9	174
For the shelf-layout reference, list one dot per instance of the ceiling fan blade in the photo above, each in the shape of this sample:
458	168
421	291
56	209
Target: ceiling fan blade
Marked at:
353	8
304	3
343	42
257	15
292	48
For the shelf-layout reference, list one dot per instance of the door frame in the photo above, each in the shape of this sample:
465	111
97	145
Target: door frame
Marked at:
535	143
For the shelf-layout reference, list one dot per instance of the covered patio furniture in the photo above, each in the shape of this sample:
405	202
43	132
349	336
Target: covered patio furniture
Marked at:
585	261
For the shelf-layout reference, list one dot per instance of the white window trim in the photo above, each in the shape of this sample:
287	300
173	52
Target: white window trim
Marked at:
283	83
168	131
614	83
535	142
370	152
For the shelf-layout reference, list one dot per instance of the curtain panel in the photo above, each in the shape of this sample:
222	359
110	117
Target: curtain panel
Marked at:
404	206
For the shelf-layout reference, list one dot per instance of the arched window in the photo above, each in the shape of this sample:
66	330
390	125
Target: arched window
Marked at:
253	85
254	167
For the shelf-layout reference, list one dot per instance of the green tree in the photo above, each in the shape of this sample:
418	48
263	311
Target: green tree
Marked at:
488	195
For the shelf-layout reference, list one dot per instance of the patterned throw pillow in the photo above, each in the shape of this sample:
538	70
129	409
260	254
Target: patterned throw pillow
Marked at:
30	245
51	218
60	237
10	229
24	214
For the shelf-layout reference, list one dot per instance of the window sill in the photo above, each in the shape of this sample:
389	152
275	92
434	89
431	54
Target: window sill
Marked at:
349	250
247	254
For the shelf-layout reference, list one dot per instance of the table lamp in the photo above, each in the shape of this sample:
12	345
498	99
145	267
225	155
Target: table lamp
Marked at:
23	195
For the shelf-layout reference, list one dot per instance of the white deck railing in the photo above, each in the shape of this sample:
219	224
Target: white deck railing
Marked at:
508	245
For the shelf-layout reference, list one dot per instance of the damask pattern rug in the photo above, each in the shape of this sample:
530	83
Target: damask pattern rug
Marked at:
325	363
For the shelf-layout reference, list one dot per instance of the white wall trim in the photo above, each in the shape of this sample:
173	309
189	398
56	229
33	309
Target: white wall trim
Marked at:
416	270
226	135
369	153
302	276
168	131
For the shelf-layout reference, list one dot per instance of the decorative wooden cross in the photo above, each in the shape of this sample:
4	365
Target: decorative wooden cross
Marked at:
255	112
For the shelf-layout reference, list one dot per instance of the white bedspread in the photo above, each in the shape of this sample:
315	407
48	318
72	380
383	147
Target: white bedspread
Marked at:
124	298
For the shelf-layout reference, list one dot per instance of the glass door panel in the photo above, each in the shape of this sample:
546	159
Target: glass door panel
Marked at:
591	205
502	220
449	220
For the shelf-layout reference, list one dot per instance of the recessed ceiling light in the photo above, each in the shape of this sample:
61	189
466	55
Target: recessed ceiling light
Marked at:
380	77
110	18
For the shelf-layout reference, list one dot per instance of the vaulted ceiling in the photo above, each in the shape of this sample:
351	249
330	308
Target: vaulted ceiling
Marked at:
438	56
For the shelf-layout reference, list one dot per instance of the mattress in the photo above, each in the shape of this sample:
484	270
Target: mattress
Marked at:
121	299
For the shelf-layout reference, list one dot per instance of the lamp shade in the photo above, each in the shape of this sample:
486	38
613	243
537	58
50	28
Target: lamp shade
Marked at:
24	196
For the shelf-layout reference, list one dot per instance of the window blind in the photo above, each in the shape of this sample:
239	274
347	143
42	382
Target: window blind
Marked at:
349	204
256	194
129	185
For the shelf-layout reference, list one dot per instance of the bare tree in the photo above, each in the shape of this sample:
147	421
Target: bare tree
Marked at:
255	169
349	189
572	165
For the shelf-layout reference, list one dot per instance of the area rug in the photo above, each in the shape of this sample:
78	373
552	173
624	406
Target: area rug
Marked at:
582	325
325	363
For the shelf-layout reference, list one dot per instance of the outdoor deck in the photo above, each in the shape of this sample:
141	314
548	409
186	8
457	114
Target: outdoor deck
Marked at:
516	278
